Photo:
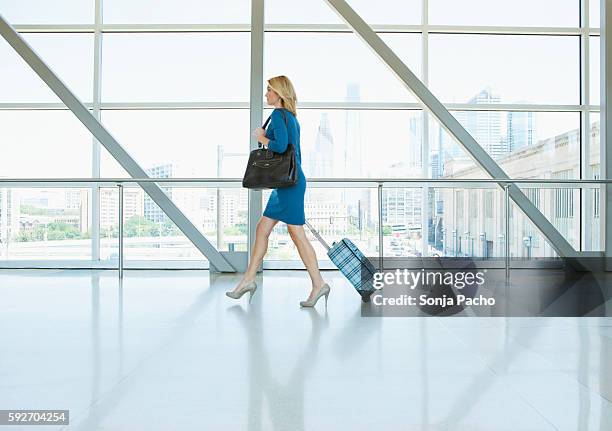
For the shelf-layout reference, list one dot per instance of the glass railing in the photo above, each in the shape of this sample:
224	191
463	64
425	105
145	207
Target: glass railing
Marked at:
52	219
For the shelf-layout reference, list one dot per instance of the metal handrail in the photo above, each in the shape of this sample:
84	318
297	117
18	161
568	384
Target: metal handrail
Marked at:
373	181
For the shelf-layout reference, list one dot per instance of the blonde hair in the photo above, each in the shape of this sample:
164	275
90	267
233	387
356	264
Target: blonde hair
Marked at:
284	88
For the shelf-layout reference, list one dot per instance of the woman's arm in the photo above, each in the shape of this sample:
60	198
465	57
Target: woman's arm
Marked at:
281	137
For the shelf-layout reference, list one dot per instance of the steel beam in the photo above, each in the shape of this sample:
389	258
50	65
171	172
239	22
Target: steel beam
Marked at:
450	124
114	148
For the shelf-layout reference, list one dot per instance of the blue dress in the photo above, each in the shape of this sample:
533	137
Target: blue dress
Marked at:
287	203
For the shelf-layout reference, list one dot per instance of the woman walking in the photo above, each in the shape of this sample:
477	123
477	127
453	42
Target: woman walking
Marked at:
285	204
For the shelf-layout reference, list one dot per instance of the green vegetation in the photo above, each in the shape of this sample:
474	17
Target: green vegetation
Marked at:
32	210
237	229
53	231
135	227
138	226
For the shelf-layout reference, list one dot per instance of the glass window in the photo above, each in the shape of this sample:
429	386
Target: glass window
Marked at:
48	12
180	143
45	224
595	65
42	144
157	67
322	65
335	213
149	234
330	67
401	216
518	69
451	233
594	142
70	56
564	198
360	143
562	13
177	12
524	144
594	15
318	12
526	241
563	215
593	224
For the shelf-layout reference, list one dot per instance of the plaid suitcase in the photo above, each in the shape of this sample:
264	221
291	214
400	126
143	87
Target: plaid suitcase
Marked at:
351	262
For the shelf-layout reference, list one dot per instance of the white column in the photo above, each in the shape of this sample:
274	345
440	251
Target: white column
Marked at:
587	195
425	215
95	150
257	82
606	118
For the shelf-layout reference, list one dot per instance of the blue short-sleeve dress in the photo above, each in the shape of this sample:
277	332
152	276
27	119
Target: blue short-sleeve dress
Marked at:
287	203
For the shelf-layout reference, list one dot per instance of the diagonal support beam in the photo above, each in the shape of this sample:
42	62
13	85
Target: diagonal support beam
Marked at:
215	258
450	123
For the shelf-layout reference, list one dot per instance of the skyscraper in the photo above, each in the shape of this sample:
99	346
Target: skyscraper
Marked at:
358	201
184	197
520	130
353	150
485	126
151	211
401	206
133	198
73	199
415	147
10	212
320	160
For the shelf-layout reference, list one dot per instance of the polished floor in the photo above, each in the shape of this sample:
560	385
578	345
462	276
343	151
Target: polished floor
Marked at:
167	350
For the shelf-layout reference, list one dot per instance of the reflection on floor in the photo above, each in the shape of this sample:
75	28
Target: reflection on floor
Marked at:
167	350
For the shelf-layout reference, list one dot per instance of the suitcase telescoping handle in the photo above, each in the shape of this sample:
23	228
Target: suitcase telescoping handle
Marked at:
317	236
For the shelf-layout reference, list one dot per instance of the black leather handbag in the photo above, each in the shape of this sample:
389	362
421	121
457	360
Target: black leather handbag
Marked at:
268	169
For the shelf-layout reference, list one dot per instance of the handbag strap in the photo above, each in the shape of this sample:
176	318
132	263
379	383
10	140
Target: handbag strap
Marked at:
268	120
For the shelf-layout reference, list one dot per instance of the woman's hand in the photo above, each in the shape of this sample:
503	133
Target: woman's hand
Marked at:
259	133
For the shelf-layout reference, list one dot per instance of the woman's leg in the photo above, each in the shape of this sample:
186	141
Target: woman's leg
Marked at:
307	254
264	228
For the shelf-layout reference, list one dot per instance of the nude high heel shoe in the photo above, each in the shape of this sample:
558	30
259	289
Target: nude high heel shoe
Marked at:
323	291
250	287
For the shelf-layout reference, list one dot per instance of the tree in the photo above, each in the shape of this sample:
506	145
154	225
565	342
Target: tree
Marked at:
233	230
170	229
32	210
59	230
138	226
24	236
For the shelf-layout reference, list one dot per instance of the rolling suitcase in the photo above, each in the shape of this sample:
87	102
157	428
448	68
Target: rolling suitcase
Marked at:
351	262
